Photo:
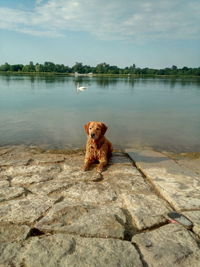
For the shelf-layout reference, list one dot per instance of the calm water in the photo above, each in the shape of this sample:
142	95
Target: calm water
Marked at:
161	113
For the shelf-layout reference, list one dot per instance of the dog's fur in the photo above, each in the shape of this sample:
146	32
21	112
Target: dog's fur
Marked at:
98	148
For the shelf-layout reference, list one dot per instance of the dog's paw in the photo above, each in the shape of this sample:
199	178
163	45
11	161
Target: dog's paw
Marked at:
85	168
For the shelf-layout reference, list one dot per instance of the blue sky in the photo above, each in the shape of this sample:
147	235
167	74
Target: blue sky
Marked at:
148	33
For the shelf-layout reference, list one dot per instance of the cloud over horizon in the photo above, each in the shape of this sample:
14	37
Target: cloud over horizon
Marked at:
133	20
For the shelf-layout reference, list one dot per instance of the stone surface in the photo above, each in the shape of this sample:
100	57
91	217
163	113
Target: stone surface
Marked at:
67	250
54	214
26	210
194	216
10	193
4	183
11	232
94	193
146	210
170	245
9	251
180	186
106	221
126	179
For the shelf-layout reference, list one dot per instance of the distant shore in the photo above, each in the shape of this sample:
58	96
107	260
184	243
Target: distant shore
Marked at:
99	75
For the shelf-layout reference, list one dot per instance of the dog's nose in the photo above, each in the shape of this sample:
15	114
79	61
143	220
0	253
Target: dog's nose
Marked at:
92	135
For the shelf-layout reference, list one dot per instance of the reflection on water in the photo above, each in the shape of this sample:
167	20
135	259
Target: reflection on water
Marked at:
46	110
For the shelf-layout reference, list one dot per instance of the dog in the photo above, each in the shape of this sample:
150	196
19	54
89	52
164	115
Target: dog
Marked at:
98	148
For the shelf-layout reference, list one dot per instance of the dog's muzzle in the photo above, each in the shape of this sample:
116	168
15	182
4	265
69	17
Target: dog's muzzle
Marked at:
93	135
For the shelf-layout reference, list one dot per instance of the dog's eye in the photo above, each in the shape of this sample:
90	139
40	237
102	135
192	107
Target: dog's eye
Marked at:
97	129
90	128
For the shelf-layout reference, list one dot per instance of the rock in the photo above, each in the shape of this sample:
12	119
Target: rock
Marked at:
123	178
26	210
170	245
90	193
146	210
52	188
68	250
12	232
48	158
10	161
84	220
194	216
119	158
9	252
4	183
10	193
25	175
179	185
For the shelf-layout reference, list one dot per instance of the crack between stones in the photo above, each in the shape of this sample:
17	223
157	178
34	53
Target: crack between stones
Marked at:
154	187
144	263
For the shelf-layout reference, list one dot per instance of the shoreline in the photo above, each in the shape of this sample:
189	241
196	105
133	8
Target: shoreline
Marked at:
99	75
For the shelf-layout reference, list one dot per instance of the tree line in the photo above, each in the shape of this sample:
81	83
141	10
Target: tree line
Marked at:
102	68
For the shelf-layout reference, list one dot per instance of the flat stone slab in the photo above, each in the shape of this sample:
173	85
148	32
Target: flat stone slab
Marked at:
89	221
194	216
170	245
7	193
126	179
11	232
25	210
69	250
90	193
179	185
146	210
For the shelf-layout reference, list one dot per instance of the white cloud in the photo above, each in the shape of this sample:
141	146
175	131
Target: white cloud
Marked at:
116	19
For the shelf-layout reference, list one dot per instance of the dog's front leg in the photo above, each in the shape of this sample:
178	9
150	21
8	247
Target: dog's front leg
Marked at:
102	163
87	164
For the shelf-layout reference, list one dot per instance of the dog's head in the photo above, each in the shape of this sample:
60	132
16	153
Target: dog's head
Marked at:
95	129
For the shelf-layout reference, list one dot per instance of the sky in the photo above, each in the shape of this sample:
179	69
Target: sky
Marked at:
148	33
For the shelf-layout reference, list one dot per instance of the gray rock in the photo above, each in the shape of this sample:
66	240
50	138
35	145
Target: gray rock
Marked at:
90	193
179	185
119	158
146	210
123	178
52	188
170	246
48	158
9	253
11	232
67	250
26	210
4	183
194	216
106	221
10	193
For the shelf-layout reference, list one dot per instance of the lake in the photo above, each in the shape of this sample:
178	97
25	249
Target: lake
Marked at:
143	112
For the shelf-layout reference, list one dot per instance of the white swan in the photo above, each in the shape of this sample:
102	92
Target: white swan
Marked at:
81	88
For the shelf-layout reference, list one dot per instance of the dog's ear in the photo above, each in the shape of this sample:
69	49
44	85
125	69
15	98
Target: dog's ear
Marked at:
86	127
103	128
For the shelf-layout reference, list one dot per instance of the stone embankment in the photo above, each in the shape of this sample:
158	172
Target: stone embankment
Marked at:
54	214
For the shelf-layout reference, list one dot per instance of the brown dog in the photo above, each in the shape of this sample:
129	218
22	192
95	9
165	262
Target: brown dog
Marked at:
98	148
